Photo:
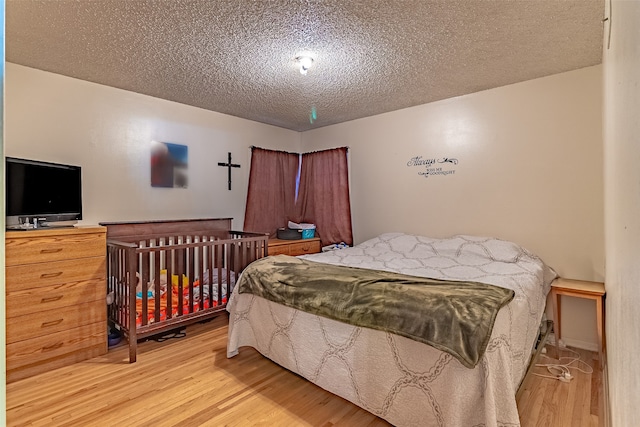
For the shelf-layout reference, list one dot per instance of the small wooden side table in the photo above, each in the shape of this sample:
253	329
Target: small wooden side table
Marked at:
578	289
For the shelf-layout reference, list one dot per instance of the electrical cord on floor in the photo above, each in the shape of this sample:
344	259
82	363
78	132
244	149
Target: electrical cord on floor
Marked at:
562	370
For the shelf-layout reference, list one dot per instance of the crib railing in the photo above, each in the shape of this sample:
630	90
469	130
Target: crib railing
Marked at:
166	281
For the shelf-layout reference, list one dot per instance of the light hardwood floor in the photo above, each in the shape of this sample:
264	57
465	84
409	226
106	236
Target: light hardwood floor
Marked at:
549	402
190	382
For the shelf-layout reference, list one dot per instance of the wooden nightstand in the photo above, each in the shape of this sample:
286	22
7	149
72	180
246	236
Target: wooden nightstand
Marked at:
578	289
294	247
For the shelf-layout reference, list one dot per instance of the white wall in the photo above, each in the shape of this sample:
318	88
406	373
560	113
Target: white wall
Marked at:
108	131
529	163
529	170
3	376
622	209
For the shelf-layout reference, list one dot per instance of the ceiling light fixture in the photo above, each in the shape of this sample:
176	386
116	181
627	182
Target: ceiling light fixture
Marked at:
305	63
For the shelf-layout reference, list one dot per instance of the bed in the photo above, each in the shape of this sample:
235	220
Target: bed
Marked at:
399	379
163	275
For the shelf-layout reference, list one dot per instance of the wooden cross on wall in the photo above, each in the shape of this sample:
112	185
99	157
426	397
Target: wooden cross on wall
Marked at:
229	165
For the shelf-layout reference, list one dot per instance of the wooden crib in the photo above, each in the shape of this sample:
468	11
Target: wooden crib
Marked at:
162	275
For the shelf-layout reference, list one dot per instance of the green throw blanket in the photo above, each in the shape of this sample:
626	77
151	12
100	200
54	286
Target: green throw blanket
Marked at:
452	316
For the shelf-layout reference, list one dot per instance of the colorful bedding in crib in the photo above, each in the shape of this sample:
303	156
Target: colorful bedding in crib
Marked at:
201	300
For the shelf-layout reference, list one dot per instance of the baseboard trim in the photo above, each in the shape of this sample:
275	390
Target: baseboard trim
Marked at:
570	342
605	390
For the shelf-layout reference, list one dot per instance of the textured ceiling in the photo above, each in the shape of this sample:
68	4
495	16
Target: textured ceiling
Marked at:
237	56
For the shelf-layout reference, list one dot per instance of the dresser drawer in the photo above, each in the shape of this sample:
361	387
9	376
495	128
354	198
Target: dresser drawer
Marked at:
303	248
34	300
294	247
52	273
50	321
47	248
279	250
50	346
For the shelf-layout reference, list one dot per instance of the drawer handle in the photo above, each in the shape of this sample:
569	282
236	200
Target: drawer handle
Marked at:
51	323
50	251
52	299
52	346
50	275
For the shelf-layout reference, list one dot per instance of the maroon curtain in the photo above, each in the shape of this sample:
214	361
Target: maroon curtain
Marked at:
323	197
272	188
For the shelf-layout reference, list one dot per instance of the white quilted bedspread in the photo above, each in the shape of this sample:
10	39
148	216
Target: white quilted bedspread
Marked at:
405	382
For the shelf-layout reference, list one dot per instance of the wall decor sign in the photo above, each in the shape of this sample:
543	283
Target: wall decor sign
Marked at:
169	164
433	166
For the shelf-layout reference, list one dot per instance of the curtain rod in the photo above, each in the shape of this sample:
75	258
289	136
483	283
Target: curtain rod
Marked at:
308	152
268	149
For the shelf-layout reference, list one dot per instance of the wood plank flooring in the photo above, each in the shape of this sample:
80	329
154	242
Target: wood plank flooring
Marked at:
550	402
190	382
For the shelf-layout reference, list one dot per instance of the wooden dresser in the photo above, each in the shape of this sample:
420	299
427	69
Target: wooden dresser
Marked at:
294	247
55	298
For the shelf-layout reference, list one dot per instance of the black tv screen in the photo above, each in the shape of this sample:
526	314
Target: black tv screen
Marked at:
42	190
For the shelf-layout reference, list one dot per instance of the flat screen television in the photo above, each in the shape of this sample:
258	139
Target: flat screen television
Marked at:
48	192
